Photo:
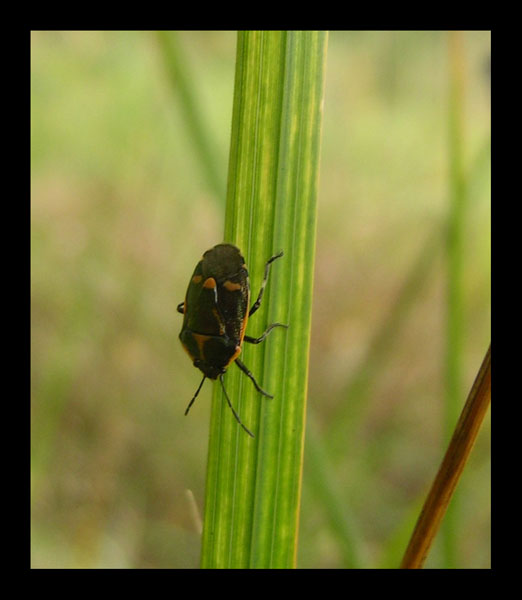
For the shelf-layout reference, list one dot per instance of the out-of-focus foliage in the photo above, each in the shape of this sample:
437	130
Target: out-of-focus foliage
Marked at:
120	213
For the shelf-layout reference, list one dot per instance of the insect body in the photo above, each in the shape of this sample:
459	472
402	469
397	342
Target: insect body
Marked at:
216	313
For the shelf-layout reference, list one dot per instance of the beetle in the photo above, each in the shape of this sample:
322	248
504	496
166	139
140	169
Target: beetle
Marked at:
215	314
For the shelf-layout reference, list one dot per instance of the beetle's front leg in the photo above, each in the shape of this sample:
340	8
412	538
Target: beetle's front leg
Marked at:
249	374
256	304
252	340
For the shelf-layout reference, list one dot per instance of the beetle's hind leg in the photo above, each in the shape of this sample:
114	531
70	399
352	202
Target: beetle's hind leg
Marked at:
249	374
256	304
252	340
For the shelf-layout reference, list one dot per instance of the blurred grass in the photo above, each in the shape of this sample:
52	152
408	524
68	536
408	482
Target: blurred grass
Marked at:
358	389
120	206
183	85
457	184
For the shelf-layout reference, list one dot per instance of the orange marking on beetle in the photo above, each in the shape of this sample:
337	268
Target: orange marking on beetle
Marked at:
188	352
209	283
235	355
231	286
197	278
218	319
200	341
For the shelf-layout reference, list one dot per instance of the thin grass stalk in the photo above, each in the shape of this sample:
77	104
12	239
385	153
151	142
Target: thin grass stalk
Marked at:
253	485
451	468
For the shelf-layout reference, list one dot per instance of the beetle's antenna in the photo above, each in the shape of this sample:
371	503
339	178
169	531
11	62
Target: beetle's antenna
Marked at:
232	408
195	395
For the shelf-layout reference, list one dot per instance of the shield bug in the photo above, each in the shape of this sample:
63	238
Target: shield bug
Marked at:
216	311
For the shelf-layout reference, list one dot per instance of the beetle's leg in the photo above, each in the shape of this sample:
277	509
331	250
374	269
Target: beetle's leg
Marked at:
195	395
181	308
252	340
256	304
249	374
232	408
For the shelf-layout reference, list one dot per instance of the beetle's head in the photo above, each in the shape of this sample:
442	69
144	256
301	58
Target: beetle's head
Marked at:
210	371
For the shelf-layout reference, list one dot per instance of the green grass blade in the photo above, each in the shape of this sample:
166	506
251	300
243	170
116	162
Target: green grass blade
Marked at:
253	485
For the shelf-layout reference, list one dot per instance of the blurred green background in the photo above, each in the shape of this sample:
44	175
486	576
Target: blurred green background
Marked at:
123	204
